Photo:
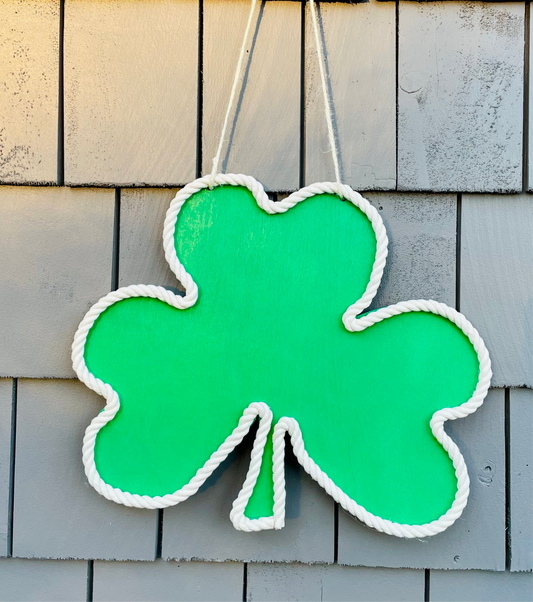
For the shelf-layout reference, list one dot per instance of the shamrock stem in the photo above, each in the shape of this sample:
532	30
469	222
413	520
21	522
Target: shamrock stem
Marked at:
261	502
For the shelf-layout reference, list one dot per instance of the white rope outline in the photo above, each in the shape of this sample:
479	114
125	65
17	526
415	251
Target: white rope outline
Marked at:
261	410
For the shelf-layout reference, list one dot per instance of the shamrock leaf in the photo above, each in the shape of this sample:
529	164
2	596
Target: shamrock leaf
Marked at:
267	333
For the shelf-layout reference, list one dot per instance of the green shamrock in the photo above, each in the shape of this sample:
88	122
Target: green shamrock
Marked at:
264	331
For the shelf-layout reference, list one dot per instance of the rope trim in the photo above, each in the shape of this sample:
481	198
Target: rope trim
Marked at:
261	410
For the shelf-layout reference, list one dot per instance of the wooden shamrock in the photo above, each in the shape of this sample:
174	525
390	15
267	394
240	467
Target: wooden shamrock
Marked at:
267	334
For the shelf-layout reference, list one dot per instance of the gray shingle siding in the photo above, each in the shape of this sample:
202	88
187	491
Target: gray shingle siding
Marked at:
432	118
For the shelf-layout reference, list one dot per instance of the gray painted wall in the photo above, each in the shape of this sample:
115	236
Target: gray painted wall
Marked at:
435	153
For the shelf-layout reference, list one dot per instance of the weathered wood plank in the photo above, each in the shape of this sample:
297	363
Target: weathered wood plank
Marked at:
58	247
529	167
360	48
422	244
478	586
29	46
6	391
161	581
460	99
263	136
497	281
477	539
57	514
142	259
42	580
130	92
521	450
335	583
200	528
443	1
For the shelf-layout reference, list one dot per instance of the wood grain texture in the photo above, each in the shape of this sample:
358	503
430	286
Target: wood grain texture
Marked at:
263	135
29	47
529	167
130	91
477	539
460	96
200	528
422	244
442	0
267	582
478	586
521	451
57	514
142	258
6	402
160	581
57	245
360	49
42	580
497	281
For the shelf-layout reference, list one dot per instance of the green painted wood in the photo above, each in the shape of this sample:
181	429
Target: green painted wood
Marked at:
199	529
478	539
267	327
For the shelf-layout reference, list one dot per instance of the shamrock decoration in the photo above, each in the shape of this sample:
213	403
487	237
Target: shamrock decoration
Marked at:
263	333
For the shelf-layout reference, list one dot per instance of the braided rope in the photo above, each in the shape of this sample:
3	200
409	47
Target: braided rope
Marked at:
262	411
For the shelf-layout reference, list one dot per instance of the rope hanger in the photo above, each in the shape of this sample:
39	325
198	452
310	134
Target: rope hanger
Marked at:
236	78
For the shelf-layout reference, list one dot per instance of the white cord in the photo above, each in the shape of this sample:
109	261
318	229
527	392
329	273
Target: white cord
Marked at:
327	103
237	77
